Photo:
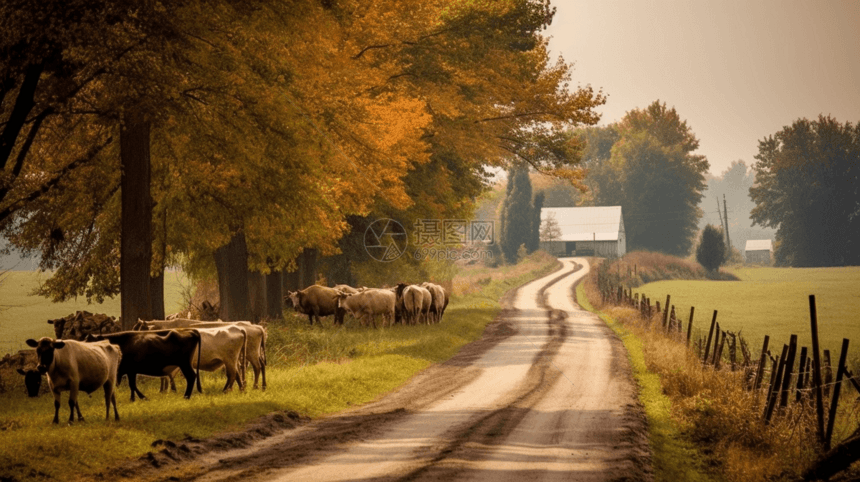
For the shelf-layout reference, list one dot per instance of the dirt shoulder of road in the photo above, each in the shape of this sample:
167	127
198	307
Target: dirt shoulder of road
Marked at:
285	438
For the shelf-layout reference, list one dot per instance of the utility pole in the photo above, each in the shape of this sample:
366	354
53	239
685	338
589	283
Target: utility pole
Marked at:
726	216
720	214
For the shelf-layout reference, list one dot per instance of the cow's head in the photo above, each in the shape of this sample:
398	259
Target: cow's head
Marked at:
295	298
32	380
340	297
45	351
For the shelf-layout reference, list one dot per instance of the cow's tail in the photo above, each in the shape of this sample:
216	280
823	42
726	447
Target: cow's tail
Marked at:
199	352
244	356
263	359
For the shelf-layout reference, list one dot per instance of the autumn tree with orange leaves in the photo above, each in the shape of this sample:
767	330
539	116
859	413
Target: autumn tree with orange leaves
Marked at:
270	126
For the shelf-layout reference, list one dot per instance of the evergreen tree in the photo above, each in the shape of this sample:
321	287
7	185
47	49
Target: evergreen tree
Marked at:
517	213
711	252
534	236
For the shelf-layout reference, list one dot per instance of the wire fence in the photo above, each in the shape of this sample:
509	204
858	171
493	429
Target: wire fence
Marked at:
790	375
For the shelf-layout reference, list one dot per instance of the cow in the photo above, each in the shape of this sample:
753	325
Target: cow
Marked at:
317	301
426	303
75	366
366	305
155	353
256	341
438	301
409	303
346	289
222	347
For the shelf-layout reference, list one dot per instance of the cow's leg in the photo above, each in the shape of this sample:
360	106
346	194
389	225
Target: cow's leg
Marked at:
132	383
73	403
311	318
56	406
263	372
108	387
190	377
113	401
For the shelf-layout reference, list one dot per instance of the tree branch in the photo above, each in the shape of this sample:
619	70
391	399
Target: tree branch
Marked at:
24	103
20	203
22	154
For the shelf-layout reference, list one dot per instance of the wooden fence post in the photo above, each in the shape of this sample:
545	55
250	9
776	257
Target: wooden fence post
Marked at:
718	353
710	337
828	373
760	371
671	322
690	324
717	334
802	374
835	401
789	366
816	370
773	393
666	311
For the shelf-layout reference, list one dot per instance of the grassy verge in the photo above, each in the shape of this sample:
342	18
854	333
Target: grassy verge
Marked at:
674	457
696	409
314	371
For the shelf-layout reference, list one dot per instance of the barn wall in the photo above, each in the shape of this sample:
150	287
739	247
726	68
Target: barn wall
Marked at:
758	257
555	248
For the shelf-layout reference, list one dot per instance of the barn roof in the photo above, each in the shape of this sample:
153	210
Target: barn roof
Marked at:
758	245
602	223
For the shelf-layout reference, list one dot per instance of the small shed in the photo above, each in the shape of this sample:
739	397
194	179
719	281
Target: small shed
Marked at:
583	231
758	251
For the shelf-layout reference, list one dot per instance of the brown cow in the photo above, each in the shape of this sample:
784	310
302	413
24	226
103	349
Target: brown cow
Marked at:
317	301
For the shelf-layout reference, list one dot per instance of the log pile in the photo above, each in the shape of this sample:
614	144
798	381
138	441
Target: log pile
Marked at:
77	326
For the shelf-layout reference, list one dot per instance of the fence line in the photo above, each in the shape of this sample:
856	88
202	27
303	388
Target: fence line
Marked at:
777	387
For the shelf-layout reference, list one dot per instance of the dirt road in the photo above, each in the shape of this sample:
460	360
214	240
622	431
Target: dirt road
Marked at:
546	395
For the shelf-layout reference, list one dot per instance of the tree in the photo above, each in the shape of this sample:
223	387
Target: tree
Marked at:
550	231
517	214
534	235
806	186
652	174
734	183
711	252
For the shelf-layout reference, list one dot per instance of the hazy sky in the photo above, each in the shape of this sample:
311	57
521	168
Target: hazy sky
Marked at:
736	71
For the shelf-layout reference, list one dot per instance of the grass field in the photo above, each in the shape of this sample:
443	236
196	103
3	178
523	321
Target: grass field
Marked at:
313	370
775	302
23	315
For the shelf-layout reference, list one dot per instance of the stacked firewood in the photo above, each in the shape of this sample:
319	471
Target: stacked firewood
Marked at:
82	323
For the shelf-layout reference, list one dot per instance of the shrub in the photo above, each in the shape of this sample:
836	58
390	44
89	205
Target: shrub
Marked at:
711	252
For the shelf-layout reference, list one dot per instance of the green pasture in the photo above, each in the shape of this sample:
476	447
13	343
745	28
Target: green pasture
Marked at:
312	370
775	302
24	315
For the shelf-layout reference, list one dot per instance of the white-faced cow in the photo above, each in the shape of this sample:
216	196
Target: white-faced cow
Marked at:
155	353
367	305
317	301
255	345
74	367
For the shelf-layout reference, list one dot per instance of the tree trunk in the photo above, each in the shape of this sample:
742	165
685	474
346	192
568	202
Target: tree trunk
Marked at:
274	296
156	295
309	265
231	260
136	227
257	292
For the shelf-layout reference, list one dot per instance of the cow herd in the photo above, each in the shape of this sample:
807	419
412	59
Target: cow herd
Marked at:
164	348
404	303
154	349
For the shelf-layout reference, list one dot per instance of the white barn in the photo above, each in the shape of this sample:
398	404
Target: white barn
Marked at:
584	231
758	251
